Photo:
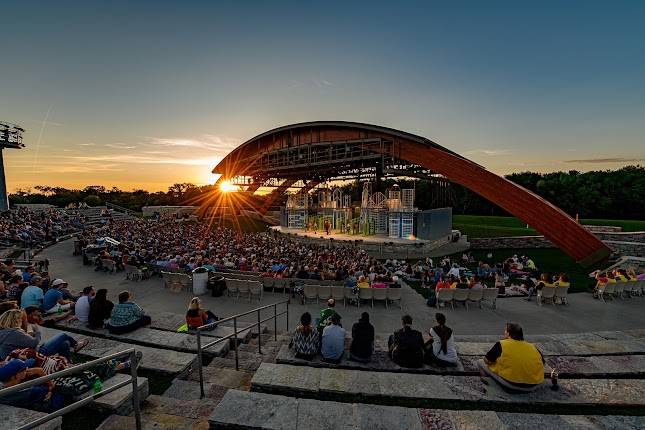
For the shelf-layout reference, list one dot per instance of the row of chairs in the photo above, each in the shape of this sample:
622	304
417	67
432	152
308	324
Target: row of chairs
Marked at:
621	290
553	294
323	292
459	295
244	287
177	281
133	273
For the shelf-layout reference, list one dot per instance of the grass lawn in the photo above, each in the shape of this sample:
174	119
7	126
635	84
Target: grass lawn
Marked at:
497	226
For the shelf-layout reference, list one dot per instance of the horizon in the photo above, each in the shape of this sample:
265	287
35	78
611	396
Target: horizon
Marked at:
141	96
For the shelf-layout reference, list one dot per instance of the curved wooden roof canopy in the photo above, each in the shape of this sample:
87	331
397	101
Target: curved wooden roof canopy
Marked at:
545	217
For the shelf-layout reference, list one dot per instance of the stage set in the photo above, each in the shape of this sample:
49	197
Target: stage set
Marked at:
304	163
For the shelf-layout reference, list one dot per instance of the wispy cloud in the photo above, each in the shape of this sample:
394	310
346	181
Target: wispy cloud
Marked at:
218	145
87	144
490	152
119	146
605	160
141	159
313	82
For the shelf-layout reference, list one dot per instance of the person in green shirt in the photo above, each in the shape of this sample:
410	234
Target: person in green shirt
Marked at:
325	315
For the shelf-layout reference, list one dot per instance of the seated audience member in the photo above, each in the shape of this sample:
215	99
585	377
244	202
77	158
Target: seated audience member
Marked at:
82	307
100	310
363	283
306	340
38	397
196	316
406	345
362	345
126	316
14	335
32	295
440	349
333	341
325	315
516	365
54	300
563	281
15	288
545	281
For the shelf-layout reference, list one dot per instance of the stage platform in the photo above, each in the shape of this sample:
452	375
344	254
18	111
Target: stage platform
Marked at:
382	247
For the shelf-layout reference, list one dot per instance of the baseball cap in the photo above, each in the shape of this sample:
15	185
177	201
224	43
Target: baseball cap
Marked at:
15	366
58	282
36	278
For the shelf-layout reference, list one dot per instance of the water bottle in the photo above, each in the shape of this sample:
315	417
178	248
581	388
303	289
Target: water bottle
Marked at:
60	309
98	386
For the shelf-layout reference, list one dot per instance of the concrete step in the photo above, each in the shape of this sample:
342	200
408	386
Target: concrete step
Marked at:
230	378
13	417
448	392
154	359
119	401
189	390
244	410
250	364
171	322
145	336
158	421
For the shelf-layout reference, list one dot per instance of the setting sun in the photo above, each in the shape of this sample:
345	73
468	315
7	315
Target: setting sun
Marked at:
227	187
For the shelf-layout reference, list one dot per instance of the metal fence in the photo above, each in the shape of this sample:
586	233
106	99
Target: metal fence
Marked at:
131	353
274	317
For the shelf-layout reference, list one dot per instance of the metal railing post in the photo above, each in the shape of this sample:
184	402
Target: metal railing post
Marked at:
259	335
287	317
237	359
199	364
134	363
275	322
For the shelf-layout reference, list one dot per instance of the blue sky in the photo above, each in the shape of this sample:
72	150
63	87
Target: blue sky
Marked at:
151	93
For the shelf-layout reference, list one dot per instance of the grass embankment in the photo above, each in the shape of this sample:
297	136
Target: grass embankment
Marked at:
499	226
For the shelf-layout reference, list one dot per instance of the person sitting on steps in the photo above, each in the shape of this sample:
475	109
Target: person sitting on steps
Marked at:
127	316
406	345
333	341
306	339
516	365
440	349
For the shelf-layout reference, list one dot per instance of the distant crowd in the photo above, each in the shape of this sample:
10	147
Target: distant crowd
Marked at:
29	228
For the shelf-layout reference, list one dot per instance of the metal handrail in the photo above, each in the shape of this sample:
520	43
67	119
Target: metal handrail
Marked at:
71	370
201	348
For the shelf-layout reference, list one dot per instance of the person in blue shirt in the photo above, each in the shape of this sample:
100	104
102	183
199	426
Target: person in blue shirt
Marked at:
333	341
32	295
54	298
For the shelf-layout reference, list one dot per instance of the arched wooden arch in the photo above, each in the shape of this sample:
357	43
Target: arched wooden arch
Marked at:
545	217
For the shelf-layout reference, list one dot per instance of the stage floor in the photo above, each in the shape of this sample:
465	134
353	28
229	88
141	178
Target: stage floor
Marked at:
347	237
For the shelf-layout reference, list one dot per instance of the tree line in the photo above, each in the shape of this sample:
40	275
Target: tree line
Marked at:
612	194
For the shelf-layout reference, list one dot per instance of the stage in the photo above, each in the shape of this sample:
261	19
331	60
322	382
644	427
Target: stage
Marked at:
381	246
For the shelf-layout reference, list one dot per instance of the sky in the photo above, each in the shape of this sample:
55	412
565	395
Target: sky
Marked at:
149	93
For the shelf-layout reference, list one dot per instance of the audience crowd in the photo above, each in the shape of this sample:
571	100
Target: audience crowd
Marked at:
29	228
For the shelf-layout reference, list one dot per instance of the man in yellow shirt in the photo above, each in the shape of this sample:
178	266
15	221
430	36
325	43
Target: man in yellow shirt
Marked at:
516	365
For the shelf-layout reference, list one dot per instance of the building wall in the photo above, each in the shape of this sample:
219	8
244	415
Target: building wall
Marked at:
434	224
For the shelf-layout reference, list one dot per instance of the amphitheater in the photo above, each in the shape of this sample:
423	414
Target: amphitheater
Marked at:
598	350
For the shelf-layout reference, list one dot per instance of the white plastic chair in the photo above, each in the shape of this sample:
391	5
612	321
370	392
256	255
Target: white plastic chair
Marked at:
607	292
461	296
476	295
618	291
365	294
394	294
490	295
243	288
446	295
338	293
348	294
380	294
561	294
546	293
231	287
324	292
310	292
255	289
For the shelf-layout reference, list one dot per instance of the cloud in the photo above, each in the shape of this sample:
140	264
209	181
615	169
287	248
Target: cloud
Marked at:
87	144
119	146
317	83
219	145
141	159
488	152
605	160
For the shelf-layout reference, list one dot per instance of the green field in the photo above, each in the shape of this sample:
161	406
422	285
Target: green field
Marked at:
497	226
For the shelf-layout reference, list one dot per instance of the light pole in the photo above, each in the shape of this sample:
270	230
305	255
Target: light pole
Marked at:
10	138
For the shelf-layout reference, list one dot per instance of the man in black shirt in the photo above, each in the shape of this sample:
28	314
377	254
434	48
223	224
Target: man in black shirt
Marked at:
362	340
406	345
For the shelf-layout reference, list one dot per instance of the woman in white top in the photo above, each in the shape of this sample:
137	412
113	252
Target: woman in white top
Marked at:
440	349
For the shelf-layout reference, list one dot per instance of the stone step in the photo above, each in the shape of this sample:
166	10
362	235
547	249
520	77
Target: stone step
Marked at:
169	321
250	364
249	410
154	359
13	417
145	336
119	401
158	421
189	390
225	377
438	391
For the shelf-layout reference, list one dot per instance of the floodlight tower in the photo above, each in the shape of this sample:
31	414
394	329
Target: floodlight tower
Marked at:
10	138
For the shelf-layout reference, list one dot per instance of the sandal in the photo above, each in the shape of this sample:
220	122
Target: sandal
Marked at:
80	345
